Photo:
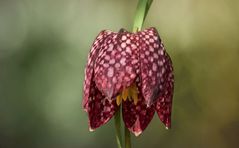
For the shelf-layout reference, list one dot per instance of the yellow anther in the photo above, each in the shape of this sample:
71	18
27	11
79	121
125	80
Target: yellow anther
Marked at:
125	94
118	100
135	98
131	93
134	93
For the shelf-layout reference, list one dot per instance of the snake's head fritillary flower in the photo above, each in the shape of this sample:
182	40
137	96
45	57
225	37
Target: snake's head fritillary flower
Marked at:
132	69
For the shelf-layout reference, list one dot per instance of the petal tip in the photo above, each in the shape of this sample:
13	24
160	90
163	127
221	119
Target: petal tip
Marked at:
167	126
137	133
91	129
150	102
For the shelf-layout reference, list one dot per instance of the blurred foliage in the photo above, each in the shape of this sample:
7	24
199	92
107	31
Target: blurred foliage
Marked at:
43	50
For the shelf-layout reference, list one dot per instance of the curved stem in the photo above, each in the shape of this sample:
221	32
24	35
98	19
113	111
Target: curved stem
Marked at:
141	13
117	118
127	138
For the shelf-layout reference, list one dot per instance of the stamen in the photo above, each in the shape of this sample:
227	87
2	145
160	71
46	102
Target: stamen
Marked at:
130	93
135	97
125	94
118	99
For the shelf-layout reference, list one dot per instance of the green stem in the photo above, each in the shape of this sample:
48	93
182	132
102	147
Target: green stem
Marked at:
127	138
141	13
118	128
147	8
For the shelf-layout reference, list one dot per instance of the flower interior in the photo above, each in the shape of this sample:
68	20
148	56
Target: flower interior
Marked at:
130	93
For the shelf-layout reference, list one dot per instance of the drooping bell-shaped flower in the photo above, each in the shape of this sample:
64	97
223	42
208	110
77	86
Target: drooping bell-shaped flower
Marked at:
132	69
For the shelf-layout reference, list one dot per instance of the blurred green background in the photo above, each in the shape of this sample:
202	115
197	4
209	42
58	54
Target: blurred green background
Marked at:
43	50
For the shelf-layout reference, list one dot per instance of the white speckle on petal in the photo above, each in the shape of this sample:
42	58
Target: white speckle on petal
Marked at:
107	57
156	56
123	38
154	67
151	59
122	61
128	41
100	37
109	41
135	61
142	56
128	69
106	65
151	48
119	48
133	46
156	45
110	72
117	65
163	69
123	53
126	78
160	63
150	73
128	50
112	61
123	45
114	80
155	38
110	47
118	56
151	40
132	76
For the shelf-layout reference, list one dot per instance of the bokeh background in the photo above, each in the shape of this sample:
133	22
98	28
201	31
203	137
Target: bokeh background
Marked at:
43	50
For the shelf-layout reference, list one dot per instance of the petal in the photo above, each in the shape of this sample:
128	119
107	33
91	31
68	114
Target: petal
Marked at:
100	108
116	65
96	47
137	117
164	103
151	64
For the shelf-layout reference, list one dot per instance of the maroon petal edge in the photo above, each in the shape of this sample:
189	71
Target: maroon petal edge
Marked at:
137	116
96	47
151	62
100	108
164	103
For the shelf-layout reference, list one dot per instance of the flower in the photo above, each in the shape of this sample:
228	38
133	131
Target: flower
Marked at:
132	69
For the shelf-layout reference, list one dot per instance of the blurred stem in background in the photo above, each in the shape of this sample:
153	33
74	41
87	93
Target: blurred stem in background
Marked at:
141	13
